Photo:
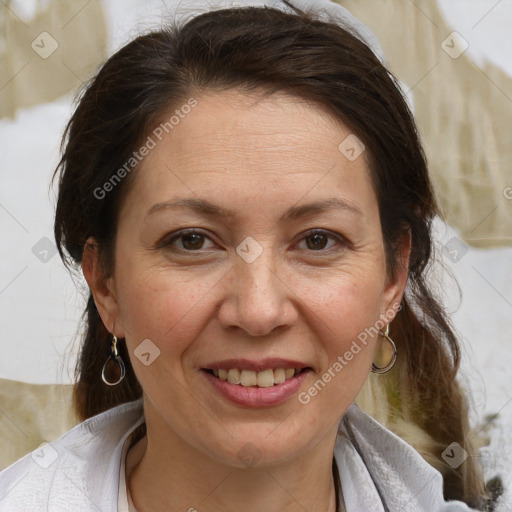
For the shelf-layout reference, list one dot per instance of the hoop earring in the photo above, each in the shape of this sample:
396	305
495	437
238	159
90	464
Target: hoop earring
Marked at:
386	368
113	358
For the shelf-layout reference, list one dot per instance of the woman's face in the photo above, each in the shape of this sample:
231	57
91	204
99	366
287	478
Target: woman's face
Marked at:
285	269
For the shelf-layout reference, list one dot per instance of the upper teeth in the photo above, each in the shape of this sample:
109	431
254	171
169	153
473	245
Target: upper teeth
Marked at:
263	379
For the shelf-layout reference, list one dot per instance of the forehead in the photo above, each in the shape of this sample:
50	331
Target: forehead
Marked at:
238	143
252	125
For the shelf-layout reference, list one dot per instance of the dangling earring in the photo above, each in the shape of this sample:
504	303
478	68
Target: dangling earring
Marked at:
391	349
113	358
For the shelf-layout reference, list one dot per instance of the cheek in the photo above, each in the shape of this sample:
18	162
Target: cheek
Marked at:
345	300
343	314
163	306
345	332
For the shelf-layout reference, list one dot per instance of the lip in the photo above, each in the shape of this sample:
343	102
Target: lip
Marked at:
255	397
255	366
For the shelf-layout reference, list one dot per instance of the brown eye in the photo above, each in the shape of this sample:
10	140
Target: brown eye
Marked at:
192	241
317	241
187	241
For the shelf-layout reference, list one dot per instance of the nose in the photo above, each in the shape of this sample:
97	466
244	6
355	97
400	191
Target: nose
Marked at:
258	300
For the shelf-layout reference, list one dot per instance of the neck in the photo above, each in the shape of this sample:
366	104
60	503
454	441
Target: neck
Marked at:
160	477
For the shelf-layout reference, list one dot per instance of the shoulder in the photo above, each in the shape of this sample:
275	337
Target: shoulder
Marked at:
79	471
377	468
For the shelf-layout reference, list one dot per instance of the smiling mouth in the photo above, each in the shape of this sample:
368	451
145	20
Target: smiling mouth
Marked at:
262	379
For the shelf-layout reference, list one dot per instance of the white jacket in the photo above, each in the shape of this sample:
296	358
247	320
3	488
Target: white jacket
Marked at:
83	470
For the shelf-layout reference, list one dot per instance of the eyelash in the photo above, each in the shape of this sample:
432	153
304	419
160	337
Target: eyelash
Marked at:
168	242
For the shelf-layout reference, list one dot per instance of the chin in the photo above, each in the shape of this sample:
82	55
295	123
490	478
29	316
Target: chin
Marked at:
263	446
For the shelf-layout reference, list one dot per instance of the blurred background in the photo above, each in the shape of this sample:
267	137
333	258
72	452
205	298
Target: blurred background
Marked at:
454	59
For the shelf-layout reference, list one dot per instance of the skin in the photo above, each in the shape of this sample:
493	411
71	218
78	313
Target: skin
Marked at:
258	157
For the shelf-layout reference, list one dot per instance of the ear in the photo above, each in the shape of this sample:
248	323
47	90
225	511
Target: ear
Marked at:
395	286
102	288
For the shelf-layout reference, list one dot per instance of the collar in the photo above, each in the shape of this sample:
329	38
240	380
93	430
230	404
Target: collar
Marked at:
81	470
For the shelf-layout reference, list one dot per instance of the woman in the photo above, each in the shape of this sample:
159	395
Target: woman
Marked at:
250	205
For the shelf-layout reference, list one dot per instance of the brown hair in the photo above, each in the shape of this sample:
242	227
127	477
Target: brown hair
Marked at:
266	49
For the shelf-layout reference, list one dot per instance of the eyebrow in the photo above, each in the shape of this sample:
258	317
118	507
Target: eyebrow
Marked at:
204	207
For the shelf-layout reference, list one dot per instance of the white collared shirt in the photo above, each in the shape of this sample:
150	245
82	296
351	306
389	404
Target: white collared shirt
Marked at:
84	470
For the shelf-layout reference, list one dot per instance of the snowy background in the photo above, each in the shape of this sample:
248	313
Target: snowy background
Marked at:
40	304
